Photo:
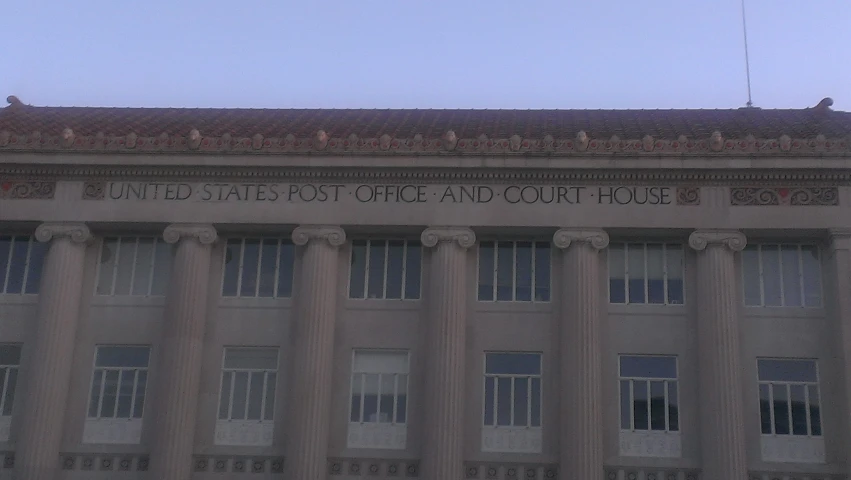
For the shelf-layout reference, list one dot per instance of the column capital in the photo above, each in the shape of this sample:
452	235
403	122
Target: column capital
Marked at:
732	239
77	232
595	237
205	234
431	236
334	235
840	239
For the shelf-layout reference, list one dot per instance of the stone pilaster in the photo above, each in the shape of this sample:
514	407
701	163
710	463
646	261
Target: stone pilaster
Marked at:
445	366
719	357
313	343
839	258
179	369
581	432
42	422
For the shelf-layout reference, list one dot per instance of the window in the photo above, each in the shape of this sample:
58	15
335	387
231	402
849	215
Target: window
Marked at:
514	271
247	399
385	269
117	398
379	402
649	412
10	360
138	266
258	267
512	403
789	397
646	273
785	275
789	411
21	259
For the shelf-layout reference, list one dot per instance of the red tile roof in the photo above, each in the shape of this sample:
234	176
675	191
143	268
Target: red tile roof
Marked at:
21	119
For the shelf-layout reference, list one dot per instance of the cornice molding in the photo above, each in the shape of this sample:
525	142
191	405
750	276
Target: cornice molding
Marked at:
701	239
840	239
76	232
205	234
464	236
596	238
334	235
449	143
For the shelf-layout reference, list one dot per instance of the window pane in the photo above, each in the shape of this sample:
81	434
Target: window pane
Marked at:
356	398
523	276
486	271
655	274
791	276
503	401
673	407
162	268
639	405
490	382
125	393
626	406
781	412
370	403
106	270
255	396
251	358
269	409
268	263
224	398
122	356
402	398
799	410
126	263
5	249
240	388
675	265
386	405
815	412
764	408
141	387
375	287
286	266
37	252
657	405
635	254
8	399
144	261
647	366
10	354
357	275
395	252
413	270
231	273
505	271
542	272
787	370
18	267
771	275
536	402
812	276
513	363
617	270
750	275
521	401
250	260
110	394
94	398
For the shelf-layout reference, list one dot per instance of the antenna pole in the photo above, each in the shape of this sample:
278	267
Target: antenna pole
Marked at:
747	60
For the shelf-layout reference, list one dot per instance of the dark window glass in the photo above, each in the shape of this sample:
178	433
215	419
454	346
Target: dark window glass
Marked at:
657	405
18	265
230	278
413	270
542	272
122	357
370	399
255	396
395	266
375	286
626	406
771	277
37	253
815	412
125	393
523	275
503	401
356	398
490	383
358	270
505	271
781	412
789	257
675	265
799	409
224	399
94	396
402	399
765	408
286	267
486	270
648	366
617	268
268	263
240	389
811	276
639	405
269	413
635	258
110	394
750	277
5	249
513	364
11	386
784	370
673	408
10	354
250	264
521	401
655	274
536	402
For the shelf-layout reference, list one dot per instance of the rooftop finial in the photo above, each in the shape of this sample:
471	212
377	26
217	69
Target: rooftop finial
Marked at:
13	100
824	104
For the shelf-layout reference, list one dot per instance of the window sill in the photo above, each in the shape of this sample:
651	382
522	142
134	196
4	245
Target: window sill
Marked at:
525	307
244	433
113	430
792	449
384	436
512	439
382	304
255	302
650	444
127	301
647	309
784	312
18	299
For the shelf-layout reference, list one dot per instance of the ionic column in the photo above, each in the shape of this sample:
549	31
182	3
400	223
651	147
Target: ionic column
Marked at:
719	357
840	260
313	341
37	456
179	368
445	337
581	433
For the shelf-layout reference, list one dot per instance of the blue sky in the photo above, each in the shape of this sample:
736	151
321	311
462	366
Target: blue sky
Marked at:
435	54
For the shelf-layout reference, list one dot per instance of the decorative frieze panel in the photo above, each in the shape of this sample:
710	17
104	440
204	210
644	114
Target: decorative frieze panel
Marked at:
377	435
784	196
512	439
650	444
26	190
5	427
104	462
510	471
249	433
792	448
94	190
112	430
238	464
387	468
644	473
688	196
321	142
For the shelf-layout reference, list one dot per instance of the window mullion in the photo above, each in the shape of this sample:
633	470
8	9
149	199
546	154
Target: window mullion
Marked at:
404	294
632	405
151	267
240	269
386	268
665	283
801	279
780	269
789	408
247	392
230	394
133	394
362	395
395	398
495	401
534	248
133	266
771	407
118	242
646	284
263	395
277	271
495	273
513	271
4	282
3	393
665	405
807	407
100	396
761	276
27	264
257	276
626	272
512	404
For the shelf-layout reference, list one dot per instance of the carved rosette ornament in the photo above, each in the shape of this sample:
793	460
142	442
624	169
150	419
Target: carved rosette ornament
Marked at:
701	239
431	236
335	236
27	190
564	237
205	234
77	232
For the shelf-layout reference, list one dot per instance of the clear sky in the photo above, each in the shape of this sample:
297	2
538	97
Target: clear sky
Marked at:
426	54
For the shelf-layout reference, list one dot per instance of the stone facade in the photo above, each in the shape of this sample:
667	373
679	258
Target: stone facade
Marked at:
572	204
